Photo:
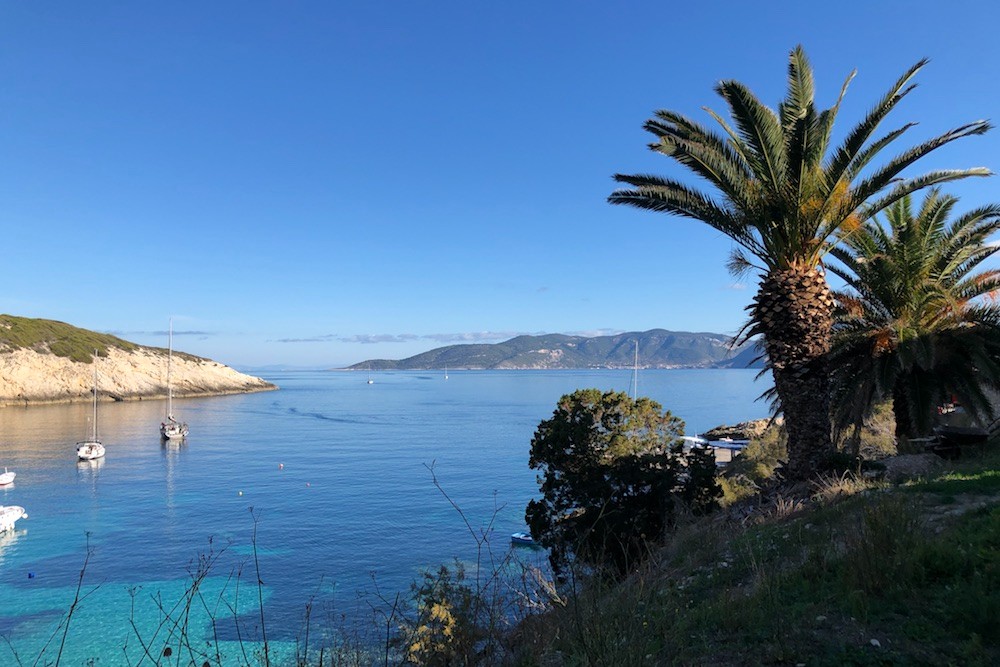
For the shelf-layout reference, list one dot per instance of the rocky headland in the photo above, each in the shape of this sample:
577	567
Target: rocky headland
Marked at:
42	361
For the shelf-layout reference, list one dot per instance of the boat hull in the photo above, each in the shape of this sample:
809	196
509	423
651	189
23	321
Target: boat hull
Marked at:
88	451
9	515
523	540
173	431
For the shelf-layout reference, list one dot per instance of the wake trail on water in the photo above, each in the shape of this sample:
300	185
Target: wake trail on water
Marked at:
328	418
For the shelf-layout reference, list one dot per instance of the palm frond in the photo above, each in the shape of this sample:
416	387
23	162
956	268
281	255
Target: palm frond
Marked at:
759	129
907	187
888	173
859	135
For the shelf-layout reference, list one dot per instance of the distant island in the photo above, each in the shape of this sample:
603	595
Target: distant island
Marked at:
45	361
658	348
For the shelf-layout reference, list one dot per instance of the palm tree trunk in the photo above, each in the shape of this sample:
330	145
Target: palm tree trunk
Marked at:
794	311
901	411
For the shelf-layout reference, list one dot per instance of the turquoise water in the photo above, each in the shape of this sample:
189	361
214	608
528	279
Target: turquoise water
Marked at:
336	472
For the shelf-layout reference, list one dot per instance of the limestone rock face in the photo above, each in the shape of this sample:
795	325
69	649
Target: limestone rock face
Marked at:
28	376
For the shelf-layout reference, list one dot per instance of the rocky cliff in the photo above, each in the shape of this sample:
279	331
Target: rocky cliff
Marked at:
40	363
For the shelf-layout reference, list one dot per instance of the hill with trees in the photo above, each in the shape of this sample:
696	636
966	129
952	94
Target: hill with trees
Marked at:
658	348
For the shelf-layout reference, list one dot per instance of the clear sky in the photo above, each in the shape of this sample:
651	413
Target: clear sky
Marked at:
317	183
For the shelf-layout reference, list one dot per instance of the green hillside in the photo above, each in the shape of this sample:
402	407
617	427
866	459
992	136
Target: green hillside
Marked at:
61	339
658	348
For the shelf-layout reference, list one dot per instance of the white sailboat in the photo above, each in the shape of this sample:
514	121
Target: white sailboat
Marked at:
88	450
370	380
445	372
7	477
170	428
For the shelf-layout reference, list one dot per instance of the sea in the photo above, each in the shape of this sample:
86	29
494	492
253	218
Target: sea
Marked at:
285	512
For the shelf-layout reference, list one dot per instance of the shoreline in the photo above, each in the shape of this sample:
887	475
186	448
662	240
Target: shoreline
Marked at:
113	398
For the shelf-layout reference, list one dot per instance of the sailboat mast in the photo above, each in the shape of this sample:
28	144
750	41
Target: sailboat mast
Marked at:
94	439
635	372
170	354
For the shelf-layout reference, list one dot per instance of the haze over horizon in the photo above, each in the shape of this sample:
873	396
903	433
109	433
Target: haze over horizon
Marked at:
316	184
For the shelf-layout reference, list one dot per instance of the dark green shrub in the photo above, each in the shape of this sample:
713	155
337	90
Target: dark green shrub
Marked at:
612	472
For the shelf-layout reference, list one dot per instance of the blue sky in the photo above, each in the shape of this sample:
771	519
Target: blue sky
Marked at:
318	183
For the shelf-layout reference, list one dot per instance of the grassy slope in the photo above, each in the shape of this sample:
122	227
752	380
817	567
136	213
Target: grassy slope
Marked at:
861	575
62	340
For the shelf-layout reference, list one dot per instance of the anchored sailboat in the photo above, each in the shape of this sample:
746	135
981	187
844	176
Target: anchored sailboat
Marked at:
171	429
89	450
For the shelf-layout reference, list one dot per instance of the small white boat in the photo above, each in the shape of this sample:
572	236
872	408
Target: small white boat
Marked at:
729	443
173	429
522	540
7	477
89	450
9	514
170	428
694	441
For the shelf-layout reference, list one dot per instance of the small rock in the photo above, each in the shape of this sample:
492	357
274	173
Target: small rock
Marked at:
820	619
910	466
876	643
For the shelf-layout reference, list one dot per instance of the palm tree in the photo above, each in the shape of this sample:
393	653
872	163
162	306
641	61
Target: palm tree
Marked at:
919	322
786	196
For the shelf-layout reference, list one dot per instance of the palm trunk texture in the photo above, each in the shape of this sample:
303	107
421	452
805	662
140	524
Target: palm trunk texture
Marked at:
794	311
901	410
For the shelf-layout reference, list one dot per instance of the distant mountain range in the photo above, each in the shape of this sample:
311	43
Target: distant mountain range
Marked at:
658	348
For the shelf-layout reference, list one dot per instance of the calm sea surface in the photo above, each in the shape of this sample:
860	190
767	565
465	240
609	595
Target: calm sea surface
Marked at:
335	471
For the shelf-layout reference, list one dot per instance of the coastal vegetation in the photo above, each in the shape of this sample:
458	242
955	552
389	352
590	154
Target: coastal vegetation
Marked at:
859	572
787	196
918	322
613	472
65	340
58	338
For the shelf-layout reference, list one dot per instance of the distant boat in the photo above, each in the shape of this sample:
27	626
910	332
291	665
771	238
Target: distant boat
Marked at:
91	449
445	372
370	380
9	514
694	441
730	443
171	429
522	540
7	477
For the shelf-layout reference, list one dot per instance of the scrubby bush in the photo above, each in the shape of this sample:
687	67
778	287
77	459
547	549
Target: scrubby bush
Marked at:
613	471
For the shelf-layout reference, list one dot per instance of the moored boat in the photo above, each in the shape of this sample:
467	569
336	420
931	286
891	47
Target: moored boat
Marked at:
523	540
7	477
694	441
9	514
170	428
89	450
